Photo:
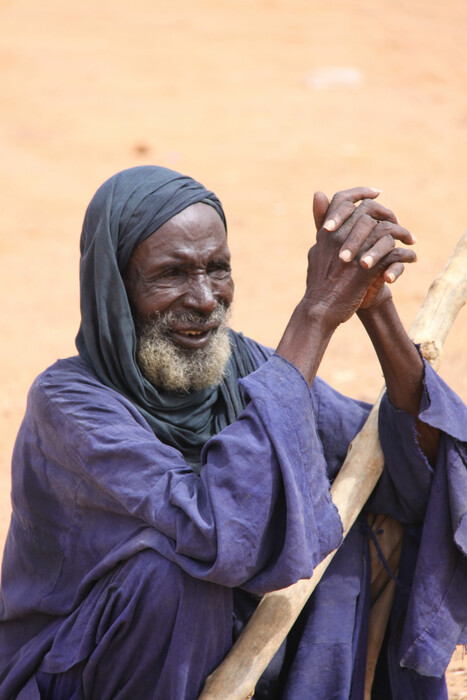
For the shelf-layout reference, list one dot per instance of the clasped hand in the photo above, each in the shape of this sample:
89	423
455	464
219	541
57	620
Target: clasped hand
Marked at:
355	254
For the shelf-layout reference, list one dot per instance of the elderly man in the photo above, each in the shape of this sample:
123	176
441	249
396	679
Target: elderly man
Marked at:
174	471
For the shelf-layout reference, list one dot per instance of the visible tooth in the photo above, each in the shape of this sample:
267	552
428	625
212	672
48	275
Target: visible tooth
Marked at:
192	332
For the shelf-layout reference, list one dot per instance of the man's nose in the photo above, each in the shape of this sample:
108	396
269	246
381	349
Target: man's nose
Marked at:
200	296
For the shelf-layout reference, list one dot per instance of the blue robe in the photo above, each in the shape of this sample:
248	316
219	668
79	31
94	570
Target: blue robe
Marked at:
121	564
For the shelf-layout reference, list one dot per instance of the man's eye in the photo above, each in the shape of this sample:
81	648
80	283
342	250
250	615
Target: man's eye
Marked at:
220	271
172	272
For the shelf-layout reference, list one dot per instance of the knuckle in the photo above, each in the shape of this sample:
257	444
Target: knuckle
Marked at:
345	209
353	242
337	196
370	204
385	226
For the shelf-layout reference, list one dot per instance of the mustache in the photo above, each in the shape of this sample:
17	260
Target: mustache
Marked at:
166	321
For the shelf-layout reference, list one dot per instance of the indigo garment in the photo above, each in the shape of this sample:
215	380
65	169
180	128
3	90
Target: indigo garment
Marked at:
96	496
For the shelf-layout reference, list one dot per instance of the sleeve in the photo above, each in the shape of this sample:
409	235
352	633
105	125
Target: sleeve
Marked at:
260	513
433	504
339	420
405	485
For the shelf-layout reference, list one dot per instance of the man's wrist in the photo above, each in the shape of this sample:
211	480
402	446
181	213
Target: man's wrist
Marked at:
380	308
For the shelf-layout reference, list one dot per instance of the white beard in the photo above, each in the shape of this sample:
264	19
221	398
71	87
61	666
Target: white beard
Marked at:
170	367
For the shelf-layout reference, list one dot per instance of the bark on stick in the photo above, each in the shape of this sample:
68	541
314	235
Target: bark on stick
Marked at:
236	677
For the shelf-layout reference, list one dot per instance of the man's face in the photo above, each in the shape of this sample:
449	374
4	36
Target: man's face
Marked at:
179	285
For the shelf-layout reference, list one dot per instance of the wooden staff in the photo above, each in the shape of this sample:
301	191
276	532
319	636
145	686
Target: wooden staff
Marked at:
236	677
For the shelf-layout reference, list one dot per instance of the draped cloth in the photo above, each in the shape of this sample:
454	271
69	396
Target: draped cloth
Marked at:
125	210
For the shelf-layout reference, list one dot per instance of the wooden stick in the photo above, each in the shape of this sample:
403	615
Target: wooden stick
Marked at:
236	677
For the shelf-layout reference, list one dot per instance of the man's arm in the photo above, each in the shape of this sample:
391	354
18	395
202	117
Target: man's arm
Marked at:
402	367
354	257
400	361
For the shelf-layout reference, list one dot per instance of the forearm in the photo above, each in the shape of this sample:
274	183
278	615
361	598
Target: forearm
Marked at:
305	340
401	364
402	368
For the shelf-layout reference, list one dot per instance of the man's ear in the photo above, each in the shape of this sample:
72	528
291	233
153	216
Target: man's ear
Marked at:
320	207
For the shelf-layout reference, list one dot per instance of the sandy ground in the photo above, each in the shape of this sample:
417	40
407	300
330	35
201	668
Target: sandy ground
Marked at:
264	101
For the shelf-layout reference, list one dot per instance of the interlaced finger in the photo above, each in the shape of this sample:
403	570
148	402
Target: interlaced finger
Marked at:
393	272
348	214
366	231
396	255
378	251
343	203
382	242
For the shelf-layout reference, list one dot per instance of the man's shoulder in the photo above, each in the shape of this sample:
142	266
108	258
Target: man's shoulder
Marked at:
70	386
68	374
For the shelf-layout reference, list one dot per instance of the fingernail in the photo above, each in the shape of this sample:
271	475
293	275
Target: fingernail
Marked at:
345	255
390	277
414	239
367	261
330	225
375	189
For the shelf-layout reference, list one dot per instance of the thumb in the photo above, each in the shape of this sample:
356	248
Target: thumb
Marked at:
320	207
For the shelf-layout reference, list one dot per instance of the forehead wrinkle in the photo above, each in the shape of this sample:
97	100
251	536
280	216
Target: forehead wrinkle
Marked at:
187	239
206	246
186	258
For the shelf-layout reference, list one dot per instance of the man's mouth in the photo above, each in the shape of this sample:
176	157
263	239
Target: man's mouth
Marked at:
192	338
188	331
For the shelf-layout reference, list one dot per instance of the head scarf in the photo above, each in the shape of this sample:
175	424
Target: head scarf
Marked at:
125	210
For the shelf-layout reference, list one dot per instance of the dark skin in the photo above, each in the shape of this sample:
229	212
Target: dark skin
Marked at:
340	284
185	266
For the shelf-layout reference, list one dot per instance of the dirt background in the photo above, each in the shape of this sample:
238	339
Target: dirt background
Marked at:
264	101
